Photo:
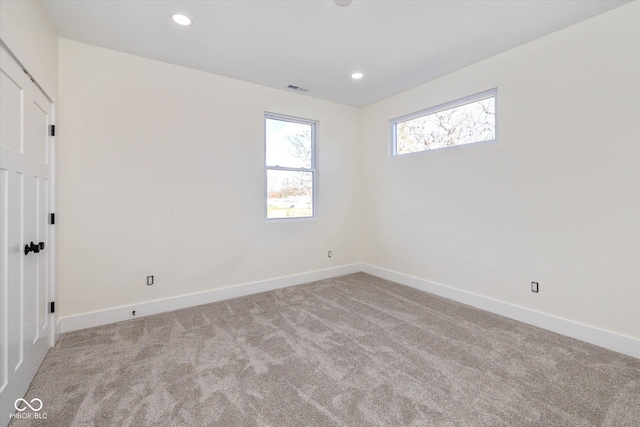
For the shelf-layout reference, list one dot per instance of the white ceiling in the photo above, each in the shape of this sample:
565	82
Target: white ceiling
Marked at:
317	45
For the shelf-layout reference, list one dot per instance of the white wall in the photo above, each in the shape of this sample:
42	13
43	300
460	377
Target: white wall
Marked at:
161	173
555	200
25	27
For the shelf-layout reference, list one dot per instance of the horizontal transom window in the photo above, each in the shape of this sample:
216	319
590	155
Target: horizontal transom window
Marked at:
463	121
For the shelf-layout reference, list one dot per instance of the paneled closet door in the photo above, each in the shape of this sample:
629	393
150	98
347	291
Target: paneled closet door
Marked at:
25	199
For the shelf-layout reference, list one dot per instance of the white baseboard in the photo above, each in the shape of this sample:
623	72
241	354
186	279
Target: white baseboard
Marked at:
103	317
610	340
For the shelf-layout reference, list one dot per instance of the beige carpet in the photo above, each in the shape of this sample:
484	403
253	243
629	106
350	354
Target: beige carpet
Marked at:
350	351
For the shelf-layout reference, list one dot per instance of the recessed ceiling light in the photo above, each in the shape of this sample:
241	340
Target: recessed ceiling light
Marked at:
342	2
181	19
357	76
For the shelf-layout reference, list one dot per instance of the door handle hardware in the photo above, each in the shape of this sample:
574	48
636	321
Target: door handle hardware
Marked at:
32	248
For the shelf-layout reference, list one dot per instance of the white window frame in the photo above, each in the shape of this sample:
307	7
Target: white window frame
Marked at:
491	93
313	170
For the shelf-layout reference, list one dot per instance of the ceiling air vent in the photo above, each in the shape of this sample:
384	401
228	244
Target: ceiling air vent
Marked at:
298	88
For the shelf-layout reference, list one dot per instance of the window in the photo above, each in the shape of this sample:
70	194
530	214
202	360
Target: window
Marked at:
290	167
464	121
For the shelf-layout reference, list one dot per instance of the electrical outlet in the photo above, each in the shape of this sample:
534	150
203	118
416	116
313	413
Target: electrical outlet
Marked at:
534	287
149	280
330	254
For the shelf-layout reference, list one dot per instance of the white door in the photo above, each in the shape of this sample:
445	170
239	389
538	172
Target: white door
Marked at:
25	199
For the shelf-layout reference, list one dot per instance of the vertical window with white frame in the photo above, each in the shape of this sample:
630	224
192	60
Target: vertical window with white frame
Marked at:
290	167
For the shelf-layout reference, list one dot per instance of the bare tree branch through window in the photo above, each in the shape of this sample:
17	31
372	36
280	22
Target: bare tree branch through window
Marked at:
463	124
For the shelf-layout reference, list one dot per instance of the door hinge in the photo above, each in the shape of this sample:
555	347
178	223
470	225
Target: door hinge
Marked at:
52	218
52	130
52	307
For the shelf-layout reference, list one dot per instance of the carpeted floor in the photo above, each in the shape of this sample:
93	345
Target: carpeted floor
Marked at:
350	351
